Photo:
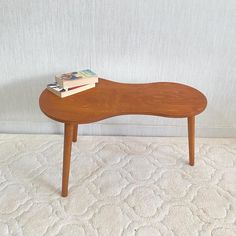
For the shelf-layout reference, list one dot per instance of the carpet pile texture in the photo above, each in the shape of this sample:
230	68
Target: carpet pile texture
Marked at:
138	186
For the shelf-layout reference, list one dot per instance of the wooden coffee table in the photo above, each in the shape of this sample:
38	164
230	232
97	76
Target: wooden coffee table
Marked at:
110	99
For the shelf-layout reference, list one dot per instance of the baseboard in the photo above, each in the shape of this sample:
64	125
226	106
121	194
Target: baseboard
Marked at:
115	129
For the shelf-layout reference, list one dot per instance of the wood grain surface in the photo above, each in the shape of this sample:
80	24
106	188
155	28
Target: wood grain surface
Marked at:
110	99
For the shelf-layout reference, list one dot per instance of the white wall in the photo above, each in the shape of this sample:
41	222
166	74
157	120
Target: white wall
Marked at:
188	41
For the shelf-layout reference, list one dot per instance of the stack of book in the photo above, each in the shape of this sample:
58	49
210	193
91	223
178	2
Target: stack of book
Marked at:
73	82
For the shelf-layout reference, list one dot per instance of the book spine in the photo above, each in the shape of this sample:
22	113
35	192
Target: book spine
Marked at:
78	90
73	83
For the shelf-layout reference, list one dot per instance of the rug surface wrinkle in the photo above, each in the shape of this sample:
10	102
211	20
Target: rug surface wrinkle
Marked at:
138	186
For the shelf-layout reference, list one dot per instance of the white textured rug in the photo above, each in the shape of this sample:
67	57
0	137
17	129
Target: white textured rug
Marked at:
118	186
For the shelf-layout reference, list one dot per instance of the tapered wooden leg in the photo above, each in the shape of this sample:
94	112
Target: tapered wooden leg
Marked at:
68	136
75	132
191	137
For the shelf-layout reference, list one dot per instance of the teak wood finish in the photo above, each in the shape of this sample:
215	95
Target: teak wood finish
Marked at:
110	99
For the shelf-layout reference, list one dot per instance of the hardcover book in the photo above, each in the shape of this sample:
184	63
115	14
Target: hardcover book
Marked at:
64	92
79	78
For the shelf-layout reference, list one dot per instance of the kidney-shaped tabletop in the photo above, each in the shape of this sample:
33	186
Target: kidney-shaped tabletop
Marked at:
110	99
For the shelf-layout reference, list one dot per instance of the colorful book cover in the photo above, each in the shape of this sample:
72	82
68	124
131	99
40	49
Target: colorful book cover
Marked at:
87	73
77	75
73	79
